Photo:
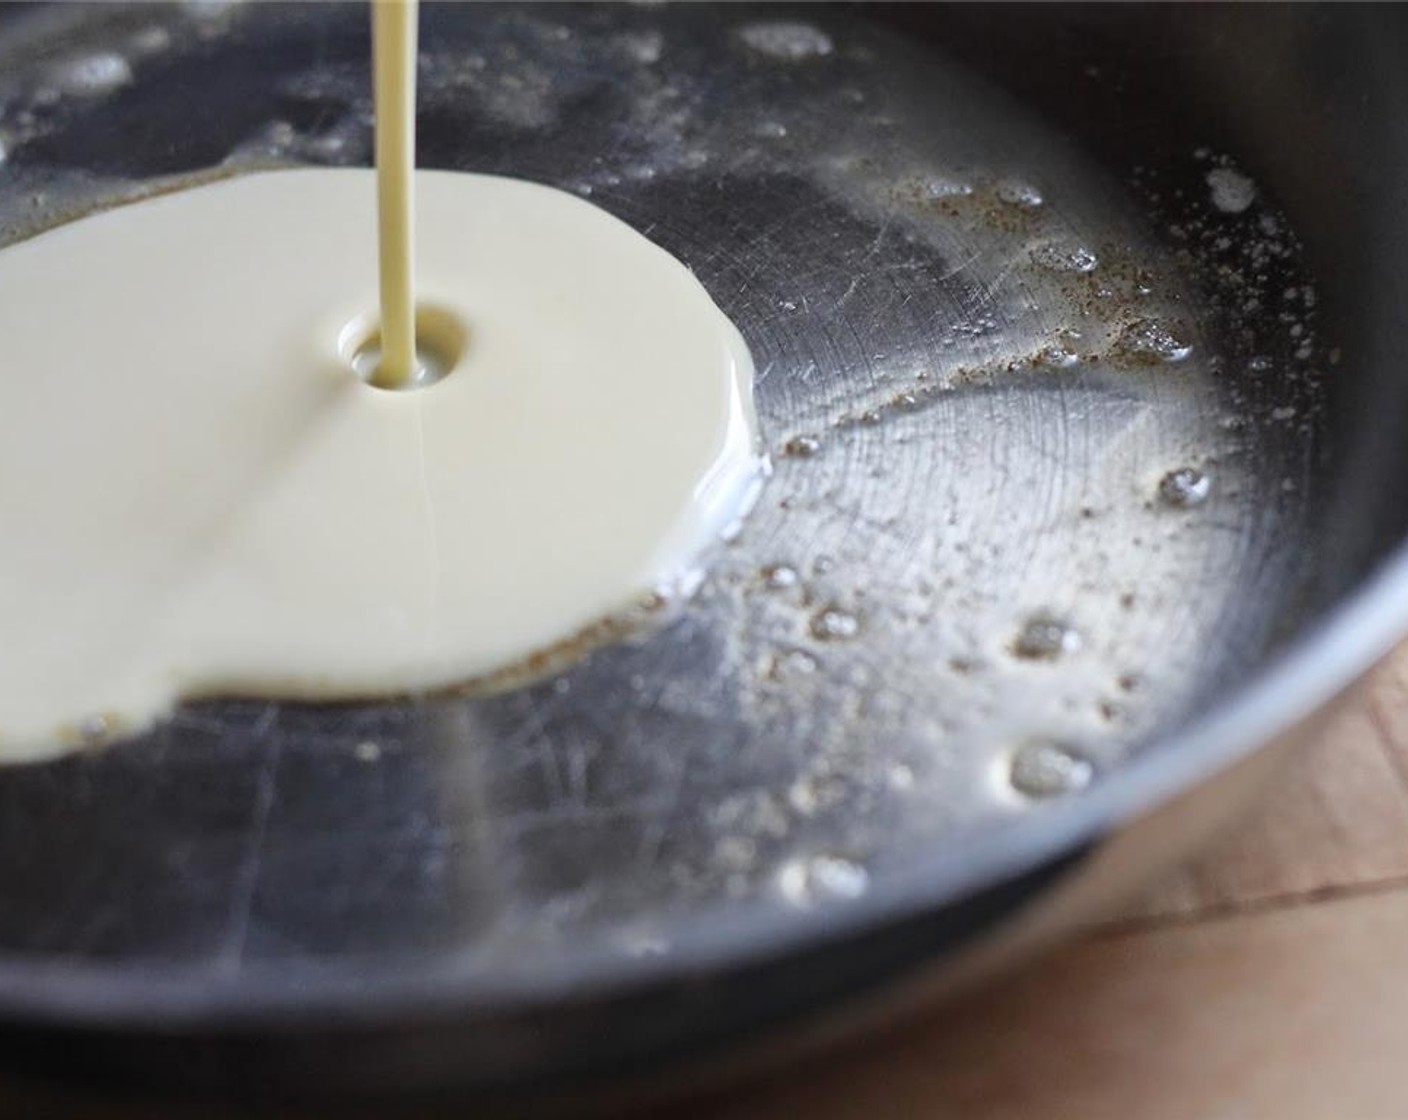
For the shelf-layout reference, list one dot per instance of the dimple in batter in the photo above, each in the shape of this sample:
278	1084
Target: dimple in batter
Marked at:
198	496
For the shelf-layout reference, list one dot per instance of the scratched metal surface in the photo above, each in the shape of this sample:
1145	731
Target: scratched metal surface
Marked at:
975	546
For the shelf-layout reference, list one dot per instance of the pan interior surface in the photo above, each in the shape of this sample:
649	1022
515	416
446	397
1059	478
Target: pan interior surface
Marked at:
1049	429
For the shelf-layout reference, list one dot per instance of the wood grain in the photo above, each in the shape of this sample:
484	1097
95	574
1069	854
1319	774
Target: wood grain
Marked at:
1268	979
1337	822
1287	1014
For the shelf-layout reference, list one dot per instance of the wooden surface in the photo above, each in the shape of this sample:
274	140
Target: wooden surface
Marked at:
1269	979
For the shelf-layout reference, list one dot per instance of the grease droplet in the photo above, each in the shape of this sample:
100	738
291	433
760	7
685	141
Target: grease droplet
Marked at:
1056	357
936	187
1150	341
1065	258
810	879
1042	770
1045	638
1015	192
779	577
1185	487
833	623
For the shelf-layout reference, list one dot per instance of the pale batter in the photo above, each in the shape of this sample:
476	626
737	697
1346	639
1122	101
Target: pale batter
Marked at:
198	495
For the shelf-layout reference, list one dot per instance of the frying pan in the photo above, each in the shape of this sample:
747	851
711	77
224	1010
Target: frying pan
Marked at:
1079	335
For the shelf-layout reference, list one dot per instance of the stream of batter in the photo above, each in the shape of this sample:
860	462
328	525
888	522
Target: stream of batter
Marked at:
394	37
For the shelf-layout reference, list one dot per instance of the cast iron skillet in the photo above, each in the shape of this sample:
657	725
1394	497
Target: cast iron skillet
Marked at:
1031	603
